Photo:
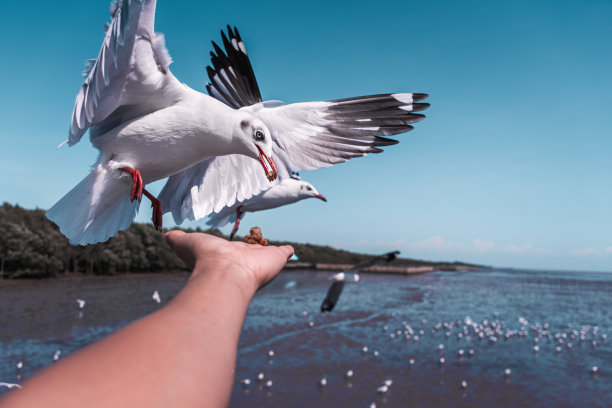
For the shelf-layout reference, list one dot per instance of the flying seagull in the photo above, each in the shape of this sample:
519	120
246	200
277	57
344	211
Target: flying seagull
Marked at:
288	191
9	385
306	135
351	276
149	126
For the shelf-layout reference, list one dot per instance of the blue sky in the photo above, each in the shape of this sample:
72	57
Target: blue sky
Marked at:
510	168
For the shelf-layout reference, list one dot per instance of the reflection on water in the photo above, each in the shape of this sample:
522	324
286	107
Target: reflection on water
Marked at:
479	323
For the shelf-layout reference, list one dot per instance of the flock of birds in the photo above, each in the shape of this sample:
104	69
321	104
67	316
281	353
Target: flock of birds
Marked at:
465	337
448	342
212	148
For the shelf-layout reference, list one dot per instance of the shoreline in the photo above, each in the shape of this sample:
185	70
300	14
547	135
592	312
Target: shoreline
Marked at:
377	269
289	267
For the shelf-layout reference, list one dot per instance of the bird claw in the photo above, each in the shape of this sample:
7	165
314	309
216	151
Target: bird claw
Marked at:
137	184
136	194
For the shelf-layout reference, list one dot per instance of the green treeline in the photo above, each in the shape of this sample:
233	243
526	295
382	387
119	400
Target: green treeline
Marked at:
31	246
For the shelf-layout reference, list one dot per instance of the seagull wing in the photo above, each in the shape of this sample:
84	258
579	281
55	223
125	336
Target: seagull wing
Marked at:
232	80
313	135
379	260
211	185
333	294
129	78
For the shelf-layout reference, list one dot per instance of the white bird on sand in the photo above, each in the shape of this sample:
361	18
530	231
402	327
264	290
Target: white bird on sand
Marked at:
288	191
382	389
148	126
323	381
9	385
81	303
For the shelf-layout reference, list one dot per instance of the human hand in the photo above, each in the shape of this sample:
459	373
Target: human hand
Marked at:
252	266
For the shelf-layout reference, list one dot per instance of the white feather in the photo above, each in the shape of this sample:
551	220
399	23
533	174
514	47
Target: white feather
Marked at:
96	209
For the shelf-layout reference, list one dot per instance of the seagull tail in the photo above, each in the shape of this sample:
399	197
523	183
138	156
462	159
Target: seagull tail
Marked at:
96	209
218	220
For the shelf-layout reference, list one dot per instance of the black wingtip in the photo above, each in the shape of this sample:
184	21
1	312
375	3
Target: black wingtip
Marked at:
416	107
237	34
392	255
417	97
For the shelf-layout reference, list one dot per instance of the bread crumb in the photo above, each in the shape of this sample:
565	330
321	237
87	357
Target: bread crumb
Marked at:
254	237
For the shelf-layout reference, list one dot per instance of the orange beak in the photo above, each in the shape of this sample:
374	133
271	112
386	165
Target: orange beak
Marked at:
321	197
268	165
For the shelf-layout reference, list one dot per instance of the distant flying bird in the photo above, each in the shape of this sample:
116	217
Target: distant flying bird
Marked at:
351	276
9	385
148	126
288	191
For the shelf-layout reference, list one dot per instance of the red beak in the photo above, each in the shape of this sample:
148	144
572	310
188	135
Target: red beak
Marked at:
266	162
321	197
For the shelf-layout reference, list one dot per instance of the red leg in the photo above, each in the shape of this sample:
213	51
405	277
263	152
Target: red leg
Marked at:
136	193
137	185
157	210
235	229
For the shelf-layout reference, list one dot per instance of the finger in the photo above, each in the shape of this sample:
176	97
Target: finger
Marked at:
183	246
288	250
171	236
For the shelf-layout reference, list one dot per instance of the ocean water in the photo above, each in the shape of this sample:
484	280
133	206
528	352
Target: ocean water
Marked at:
484	325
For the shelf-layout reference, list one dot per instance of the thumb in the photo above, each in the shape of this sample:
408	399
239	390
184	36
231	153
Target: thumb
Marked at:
171	236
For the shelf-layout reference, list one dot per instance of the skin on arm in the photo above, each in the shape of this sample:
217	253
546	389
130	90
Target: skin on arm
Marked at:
182	355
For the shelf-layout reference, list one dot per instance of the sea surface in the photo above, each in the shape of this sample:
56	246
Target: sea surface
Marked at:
444	339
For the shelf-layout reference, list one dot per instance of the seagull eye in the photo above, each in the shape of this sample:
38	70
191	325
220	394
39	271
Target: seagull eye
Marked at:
308	188
259	135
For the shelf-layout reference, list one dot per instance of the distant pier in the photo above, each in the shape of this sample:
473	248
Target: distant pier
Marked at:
386	269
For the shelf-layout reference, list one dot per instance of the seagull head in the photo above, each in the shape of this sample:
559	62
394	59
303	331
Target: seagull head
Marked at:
258	143
307	190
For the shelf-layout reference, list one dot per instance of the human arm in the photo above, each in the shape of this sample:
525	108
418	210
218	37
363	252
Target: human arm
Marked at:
182	355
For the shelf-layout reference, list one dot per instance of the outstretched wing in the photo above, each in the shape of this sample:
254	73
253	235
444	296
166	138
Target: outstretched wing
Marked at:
312	135
211	185
130	77
232	80
306	135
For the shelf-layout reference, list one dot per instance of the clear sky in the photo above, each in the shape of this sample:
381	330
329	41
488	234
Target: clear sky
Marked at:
512	166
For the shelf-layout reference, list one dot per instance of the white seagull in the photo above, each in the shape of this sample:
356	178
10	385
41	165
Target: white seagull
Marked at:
351	276
9	385
148	126
288	191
